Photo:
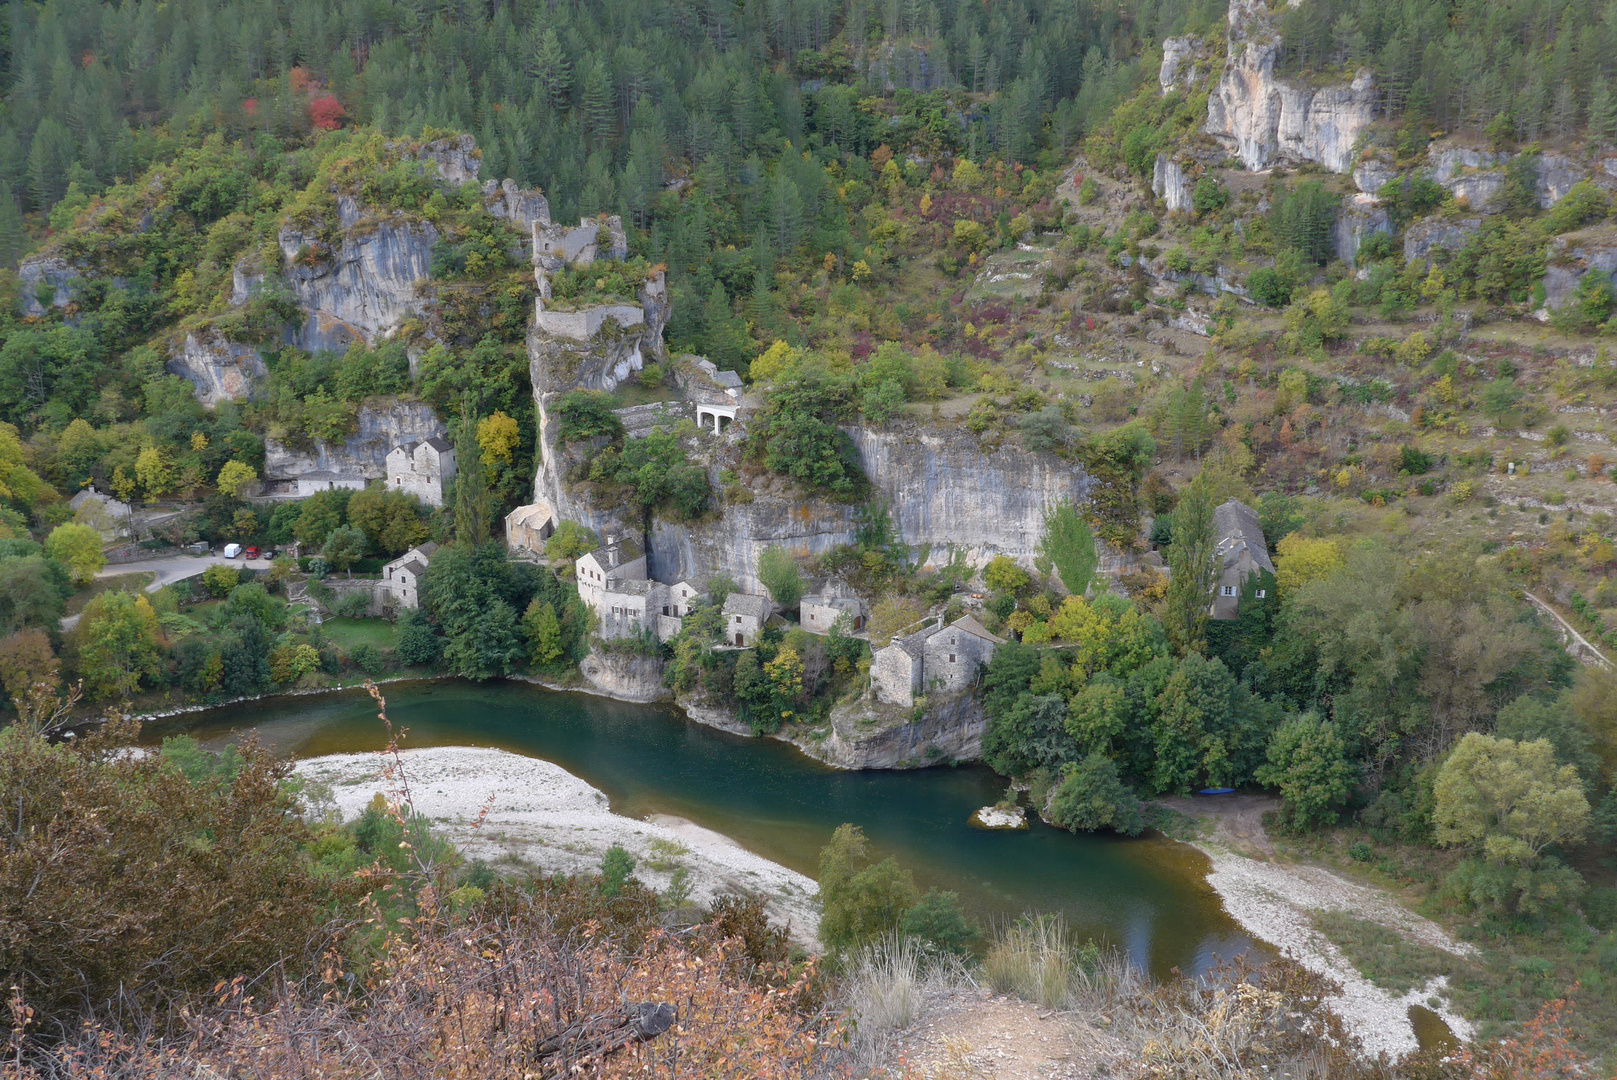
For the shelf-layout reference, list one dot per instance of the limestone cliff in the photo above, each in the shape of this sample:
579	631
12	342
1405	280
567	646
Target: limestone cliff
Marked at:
383	424
1170	184
1262	119
220	370
366	287
626	676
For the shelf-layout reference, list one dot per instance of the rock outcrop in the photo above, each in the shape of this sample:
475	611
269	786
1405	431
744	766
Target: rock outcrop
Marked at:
45	276
1177	68
522	207
865	734
626	676
1571	259
1263	119
364	289
457	159
219	370
1361	215
1421	237
1170	184
382	426
1477	176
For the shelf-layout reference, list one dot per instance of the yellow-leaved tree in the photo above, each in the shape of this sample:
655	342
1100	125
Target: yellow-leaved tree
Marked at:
1304	559
234	476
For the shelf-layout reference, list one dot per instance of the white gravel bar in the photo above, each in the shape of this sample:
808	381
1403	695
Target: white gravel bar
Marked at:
1272	901
545	817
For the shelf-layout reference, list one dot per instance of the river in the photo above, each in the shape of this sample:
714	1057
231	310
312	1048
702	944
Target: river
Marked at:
1144	895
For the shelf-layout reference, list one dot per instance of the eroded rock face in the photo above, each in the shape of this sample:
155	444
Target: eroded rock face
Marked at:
219	370
1556	175
1469	173
382	426
1175	53
864	734
1262	119
1170	184
626	676
366	288
1361	215
456	159
522	207
45	275
1421	237
1570	263
1370	175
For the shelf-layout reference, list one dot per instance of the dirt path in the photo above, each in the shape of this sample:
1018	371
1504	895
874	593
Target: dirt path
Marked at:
1236	821
965	1034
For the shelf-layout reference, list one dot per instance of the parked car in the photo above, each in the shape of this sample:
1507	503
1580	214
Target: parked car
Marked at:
232	551
268	553
252	552
199	548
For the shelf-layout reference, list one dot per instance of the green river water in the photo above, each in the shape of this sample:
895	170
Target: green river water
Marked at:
1146	896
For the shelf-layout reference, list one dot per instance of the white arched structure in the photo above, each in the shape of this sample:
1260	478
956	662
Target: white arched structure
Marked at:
720	416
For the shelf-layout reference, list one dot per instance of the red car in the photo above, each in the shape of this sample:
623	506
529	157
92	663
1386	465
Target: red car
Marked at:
251	553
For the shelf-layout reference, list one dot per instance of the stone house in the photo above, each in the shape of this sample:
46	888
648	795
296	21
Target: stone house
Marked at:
612	583
939	658
318	480
744	617
683	598
1241	552
420	468
400	586
816	614
528	527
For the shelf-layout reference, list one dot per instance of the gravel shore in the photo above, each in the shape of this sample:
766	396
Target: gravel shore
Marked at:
541	815
1272	901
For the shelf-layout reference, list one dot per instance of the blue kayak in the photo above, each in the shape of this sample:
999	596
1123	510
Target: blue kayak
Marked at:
1216	791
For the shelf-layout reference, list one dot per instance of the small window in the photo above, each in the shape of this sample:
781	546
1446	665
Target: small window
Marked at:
1262	593
951	658
1229	590
738	618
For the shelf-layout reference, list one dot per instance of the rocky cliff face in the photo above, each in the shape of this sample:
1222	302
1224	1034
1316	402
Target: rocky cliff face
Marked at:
1170	184
626	676
1262	119
382	426
1361	215
47	277
868	735
1573	257
366	287
220	370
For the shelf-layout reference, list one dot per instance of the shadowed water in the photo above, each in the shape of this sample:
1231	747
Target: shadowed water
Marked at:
1147	896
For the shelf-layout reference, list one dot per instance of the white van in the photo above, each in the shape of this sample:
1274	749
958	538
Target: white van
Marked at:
232	551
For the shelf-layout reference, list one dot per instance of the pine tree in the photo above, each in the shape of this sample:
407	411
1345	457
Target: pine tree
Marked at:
1602	110
471	486
595	108
13	237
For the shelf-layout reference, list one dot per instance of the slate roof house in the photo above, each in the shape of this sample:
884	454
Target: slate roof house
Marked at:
934	658
1241	552
400	586
744	618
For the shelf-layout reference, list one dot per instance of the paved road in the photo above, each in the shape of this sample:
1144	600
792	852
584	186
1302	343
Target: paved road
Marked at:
167	569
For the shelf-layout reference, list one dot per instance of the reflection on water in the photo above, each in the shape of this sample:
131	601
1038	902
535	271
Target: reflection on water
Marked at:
1148	895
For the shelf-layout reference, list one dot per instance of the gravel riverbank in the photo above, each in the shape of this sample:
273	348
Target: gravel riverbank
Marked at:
544	816
1272	901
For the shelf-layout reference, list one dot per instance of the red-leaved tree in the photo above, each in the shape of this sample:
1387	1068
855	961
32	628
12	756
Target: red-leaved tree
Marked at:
326	113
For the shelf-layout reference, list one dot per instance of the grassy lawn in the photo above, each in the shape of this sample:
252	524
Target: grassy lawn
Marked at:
347	633
121	583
